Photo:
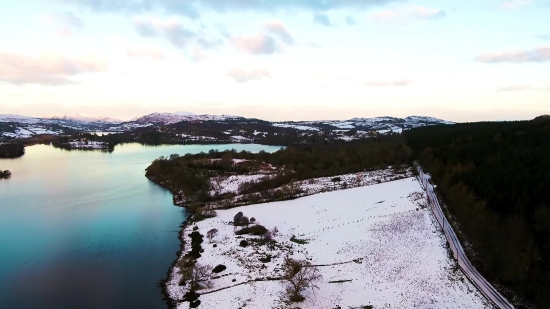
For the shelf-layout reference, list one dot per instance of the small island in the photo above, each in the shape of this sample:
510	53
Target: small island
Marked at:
5	174
84	144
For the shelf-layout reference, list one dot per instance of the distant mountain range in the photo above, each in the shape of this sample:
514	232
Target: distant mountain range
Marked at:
18	126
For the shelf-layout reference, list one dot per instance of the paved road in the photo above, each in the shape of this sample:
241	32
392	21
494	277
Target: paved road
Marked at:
458	252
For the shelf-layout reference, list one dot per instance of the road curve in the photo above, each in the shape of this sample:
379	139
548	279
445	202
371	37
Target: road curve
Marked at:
458	252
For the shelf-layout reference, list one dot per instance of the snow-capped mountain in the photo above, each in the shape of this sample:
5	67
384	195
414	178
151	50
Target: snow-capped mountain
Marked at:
17	126
85	119
171	118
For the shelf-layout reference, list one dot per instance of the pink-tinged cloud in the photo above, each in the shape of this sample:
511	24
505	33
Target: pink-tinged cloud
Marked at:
197	54
541	54
255	44
407	15
64	23
515	4
144	52
400	82
278	28
243	76
45	69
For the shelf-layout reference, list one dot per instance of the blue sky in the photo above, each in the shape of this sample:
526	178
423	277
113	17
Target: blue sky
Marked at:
276	60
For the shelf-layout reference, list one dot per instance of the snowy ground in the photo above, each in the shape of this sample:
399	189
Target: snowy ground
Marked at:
88	145
404	263
28	131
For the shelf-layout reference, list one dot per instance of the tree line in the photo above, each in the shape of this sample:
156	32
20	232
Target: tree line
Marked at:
494	178
191	173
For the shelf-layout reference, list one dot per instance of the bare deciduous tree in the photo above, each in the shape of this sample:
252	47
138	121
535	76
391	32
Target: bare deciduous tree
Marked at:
198	276
299	276
217	184
274	231
211	234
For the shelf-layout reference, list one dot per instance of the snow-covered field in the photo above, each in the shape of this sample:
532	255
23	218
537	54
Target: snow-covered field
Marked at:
30	130
295	126
403	262
88	145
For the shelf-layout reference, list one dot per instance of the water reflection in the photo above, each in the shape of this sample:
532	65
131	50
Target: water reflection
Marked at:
87	229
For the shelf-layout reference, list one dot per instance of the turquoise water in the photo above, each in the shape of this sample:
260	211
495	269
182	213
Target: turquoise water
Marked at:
85	229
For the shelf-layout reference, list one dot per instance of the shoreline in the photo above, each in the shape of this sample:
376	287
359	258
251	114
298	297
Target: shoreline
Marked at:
178	202
164	283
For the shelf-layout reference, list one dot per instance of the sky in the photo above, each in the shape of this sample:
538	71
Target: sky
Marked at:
276	59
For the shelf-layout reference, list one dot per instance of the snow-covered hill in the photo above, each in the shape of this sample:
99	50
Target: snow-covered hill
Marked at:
379	124
85	119
17	118
17	126
171	118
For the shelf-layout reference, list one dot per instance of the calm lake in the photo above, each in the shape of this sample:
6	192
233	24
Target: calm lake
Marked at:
85	229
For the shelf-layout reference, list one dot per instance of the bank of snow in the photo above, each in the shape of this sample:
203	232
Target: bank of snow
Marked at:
403	260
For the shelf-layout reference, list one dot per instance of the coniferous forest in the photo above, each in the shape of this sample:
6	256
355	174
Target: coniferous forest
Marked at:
495	180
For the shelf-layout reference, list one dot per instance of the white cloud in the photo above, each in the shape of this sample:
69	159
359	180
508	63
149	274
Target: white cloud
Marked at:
540	54
243	76
255	44
515	4
64	23
407	15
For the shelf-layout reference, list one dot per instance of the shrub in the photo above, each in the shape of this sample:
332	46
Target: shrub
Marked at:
219	269
195	304
252	220
298	241
196	241
243	243
211	234
253	230
266	259
239	219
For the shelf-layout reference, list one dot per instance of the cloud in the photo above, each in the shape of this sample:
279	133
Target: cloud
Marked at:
144	52
350	21
322	19
191	8
515	88
45	69
400	83
279	29
169	29
255	44
540	54
243	76
515	4
133	50
407	15
544	37
64	23
197	54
